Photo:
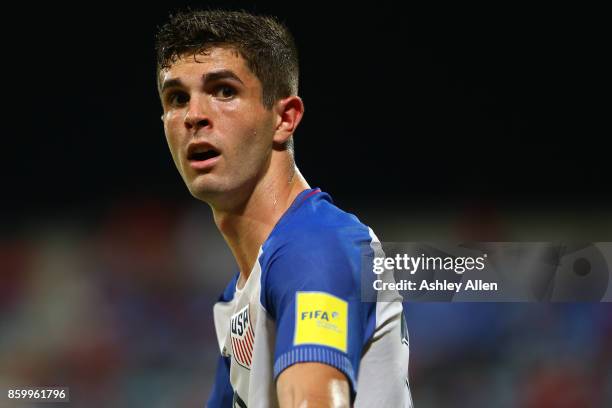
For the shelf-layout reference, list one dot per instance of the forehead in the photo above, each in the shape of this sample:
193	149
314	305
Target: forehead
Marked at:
212	59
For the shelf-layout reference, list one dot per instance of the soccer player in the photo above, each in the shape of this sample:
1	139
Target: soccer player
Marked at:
292	328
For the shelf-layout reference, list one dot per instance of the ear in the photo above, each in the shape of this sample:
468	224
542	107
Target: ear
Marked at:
289	112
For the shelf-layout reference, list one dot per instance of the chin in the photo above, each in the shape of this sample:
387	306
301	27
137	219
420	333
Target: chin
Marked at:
205	188
218	194
204	193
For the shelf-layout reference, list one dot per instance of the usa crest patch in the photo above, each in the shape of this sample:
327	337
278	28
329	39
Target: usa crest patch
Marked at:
243	337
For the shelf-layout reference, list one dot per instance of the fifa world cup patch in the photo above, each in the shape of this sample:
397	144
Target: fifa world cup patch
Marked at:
321	319
243	337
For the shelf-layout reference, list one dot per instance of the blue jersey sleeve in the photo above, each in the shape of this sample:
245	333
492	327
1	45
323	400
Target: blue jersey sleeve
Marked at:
222	392
313	294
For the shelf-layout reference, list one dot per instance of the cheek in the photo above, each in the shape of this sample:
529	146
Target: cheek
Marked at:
172	133
170	119
251	128
252	142
171	128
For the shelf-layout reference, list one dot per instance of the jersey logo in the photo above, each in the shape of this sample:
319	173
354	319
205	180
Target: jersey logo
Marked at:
242	337
320	319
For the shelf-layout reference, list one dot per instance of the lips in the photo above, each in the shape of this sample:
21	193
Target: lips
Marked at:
202	155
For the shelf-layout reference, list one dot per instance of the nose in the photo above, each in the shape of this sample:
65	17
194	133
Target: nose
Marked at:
195	117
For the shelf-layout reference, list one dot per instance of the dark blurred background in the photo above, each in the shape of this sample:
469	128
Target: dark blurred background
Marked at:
463	127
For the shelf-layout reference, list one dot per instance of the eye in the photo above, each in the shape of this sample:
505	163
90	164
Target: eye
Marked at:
177	98
224	92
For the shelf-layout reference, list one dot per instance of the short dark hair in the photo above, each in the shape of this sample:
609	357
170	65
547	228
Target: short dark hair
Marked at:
266	45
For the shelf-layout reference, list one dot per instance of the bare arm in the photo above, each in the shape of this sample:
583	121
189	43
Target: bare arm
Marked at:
312	385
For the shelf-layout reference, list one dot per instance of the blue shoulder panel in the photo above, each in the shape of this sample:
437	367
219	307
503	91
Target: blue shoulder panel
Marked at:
222	391
311	269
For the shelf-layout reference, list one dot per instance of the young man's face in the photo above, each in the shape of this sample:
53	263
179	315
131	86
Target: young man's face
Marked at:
218	130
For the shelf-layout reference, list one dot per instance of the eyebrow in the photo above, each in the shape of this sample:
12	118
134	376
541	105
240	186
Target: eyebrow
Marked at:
171	83
209	77
221	74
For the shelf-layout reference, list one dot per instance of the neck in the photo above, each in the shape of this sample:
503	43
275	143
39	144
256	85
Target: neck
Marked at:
247	227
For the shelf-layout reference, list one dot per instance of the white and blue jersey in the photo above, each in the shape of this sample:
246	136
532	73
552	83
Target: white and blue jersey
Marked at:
302	303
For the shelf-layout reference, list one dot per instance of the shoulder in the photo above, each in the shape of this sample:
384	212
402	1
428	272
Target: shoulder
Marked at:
318	247
316	227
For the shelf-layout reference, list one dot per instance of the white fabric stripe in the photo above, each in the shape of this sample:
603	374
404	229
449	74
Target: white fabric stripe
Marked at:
242	351
385	309
249	347
249	339
245	346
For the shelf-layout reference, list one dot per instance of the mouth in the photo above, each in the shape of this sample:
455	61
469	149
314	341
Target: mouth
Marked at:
202	156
